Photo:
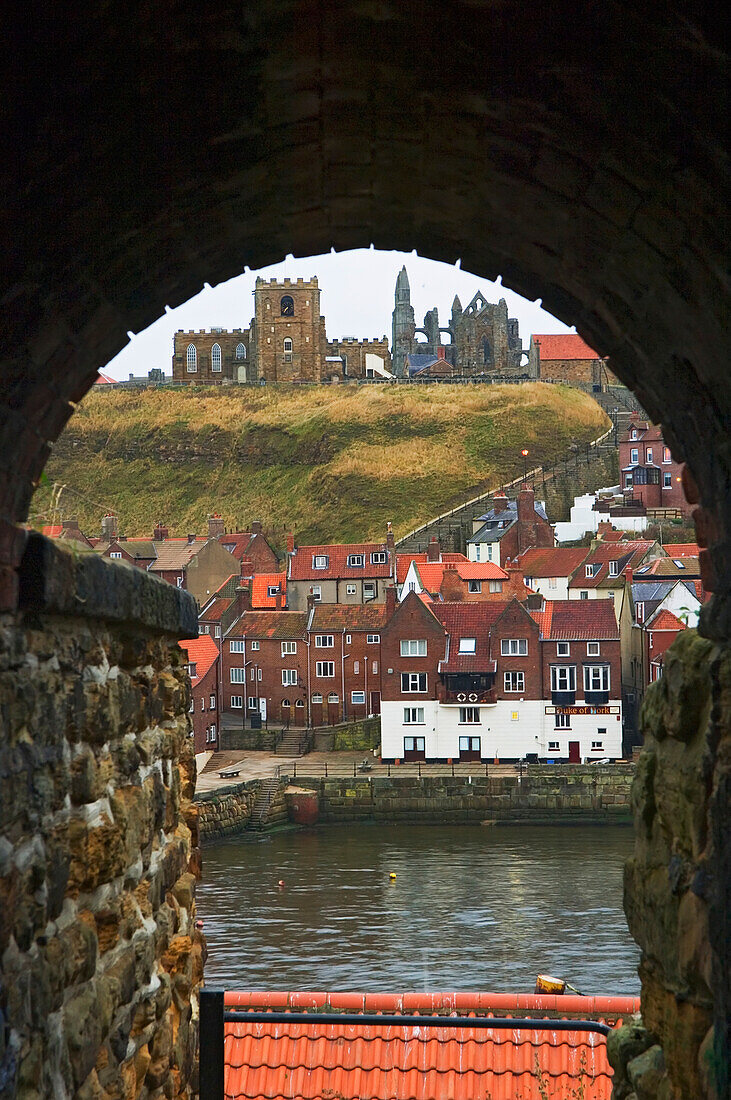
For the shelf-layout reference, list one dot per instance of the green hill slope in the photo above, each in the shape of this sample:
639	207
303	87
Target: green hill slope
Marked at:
330	462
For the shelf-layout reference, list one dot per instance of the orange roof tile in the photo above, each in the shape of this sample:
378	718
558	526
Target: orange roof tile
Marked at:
567	345
202	652
369	1062
260	584
666	621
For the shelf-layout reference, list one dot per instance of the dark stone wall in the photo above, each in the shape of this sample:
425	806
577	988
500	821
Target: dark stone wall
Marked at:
100	957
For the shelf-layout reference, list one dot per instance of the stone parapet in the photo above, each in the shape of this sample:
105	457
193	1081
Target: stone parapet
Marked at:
100	956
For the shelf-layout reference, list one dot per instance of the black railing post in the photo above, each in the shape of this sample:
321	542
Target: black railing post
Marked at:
211	1044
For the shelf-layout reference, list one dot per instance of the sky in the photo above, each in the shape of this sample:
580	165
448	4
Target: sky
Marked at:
356	299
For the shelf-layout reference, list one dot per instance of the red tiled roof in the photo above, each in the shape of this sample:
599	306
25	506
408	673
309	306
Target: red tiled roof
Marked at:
568	345
313	1060
202	651
270	624
431	574
551	561
583	620
624	553
300	563
259	589
469	620
666	621
369	617
403	561
681	549
214	610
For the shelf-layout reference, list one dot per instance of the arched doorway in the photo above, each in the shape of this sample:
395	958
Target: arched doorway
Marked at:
590	177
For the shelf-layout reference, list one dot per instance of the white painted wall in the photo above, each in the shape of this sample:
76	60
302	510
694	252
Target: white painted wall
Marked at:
507	730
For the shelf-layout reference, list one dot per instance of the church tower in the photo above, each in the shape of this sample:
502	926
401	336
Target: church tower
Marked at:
404	328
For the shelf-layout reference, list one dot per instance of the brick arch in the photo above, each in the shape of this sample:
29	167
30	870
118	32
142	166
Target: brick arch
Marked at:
583	165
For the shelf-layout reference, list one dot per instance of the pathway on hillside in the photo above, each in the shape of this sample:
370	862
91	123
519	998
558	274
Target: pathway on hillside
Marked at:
454	527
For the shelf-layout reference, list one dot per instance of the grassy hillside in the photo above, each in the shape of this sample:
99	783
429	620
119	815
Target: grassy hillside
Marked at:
329	463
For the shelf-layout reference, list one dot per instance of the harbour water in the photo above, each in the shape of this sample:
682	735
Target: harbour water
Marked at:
470	908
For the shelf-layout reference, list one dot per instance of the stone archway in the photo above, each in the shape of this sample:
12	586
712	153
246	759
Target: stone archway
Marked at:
152	152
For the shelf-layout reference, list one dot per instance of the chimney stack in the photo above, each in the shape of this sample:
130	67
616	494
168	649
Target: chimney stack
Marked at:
109	527
390	540
161	532
390	600
433	550
255	527
499	503
215	526
290	543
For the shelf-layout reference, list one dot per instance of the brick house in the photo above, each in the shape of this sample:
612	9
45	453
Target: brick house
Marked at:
509	528
341	573
498	681
204	670
566	357
648	470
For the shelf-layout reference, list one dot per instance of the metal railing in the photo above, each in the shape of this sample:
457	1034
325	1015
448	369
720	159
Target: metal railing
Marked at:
214	1016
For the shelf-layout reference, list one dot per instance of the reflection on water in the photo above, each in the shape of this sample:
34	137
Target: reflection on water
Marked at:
470	908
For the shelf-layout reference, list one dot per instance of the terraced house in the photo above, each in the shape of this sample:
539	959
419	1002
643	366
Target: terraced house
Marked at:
501	681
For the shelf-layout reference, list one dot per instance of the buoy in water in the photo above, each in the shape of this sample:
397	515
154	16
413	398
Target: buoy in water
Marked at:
392	876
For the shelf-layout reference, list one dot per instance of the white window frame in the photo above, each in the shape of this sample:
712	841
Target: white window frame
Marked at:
413	647
413	716
513	647
289	677
563	649
325	670
324	641
519	682
563	677
373	639
411	683
602	673
191	360
469	716
360	700
288	648
467	645
216	359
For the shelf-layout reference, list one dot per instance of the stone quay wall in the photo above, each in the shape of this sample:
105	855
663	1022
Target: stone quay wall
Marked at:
553	795
99	956
226	811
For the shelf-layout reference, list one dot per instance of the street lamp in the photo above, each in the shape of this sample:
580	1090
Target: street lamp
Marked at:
524	453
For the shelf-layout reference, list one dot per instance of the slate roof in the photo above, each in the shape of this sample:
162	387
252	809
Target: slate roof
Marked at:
342	617
577	620
556	561
270	625
468	620
201	651
301	568
313	1060
403	561
567	345
259	589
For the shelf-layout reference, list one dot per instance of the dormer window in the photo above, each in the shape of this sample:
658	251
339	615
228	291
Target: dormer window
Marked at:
467	645
356	560
320	561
